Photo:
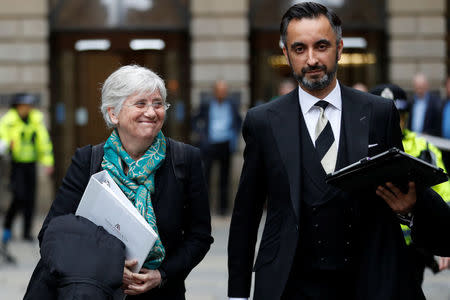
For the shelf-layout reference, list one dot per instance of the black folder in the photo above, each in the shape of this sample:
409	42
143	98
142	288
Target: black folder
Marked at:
393	166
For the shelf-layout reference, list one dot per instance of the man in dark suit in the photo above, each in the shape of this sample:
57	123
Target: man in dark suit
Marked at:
318	241
426	108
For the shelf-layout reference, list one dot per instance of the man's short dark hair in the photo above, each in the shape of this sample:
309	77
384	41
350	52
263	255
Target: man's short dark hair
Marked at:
310	10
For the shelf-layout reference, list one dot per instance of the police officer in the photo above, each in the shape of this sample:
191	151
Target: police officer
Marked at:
24	135
420	148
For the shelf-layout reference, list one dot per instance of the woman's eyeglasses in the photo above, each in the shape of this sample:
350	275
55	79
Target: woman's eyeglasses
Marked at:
156	105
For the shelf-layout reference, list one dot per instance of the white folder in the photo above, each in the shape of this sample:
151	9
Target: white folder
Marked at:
105	204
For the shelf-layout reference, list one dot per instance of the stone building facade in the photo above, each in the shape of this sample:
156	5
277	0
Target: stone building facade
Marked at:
418	38
220	40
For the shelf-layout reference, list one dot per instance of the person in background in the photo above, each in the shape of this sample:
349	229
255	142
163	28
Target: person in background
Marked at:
426	108
445	130
420	148
446	111
217	126
360	87
24	136
139	157
286	86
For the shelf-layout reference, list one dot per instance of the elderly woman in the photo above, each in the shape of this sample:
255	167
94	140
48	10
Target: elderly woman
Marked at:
138	157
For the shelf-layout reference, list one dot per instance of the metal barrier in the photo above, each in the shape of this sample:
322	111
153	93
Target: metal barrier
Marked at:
442	143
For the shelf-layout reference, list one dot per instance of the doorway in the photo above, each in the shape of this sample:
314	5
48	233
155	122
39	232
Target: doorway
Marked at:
77	77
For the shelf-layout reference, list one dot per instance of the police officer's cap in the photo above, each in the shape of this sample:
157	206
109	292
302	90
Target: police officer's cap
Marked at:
23	98
393	92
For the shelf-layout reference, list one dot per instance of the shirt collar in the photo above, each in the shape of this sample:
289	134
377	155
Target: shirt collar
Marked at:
307	100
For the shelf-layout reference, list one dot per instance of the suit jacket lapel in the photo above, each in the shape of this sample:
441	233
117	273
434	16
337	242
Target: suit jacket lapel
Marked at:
284	120
356	114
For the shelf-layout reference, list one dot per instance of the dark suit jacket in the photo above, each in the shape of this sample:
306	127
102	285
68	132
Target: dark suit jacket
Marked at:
183	216
272	170
432	121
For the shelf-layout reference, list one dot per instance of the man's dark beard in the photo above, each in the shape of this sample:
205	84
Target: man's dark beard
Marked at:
318	84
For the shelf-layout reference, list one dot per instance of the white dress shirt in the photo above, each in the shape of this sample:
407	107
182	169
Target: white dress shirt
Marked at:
311	114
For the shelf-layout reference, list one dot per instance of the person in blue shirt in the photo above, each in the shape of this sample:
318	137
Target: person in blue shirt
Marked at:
426	108
217	126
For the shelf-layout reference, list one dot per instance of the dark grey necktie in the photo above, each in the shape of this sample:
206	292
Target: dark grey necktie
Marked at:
325	142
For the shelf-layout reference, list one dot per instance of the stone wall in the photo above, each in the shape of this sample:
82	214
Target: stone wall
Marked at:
220	50
24	47
24	66
219	46
417	32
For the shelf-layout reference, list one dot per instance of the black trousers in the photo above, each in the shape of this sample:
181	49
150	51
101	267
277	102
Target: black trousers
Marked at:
219	152
23	187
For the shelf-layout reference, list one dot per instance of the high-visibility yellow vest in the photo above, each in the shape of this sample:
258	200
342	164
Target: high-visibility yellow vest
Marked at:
27	141
414	146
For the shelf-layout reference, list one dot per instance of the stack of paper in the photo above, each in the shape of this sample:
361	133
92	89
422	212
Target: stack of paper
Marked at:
104	204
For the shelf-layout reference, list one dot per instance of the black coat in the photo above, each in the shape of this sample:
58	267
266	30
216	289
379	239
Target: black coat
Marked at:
80	260
272	171
182	214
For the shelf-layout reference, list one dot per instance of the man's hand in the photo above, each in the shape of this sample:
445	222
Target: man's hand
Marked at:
444	263
399	202
144	281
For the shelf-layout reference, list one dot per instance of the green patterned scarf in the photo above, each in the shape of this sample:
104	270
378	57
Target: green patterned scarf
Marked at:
139	184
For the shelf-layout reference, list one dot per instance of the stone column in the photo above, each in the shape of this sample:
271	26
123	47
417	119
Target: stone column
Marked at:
219	46
220	50
24	48
417	32
24	66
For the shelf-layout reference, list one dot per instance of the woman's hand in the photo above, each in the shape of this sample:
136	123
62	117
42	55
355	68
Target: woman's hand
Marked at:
144	281
399	202
127	273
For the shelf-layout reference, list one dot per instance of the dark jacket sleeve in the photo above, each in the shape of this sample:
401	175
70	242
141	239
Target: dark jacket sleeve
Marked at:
71	190
247	214
431	222
197	229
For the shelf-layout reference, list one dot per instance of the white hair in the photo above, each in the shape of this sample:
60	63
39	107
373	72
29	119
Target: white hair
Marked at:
127	81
